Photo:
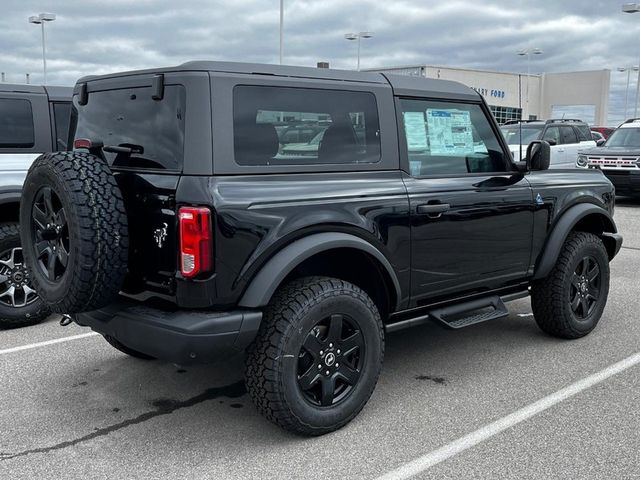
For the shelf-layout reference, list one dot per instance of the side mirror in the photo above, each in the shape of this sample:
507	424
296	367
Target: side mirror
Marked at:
538	155
600	142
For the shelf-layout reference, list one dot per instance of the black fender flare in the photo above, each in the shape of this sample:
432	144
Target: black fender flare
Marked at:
270	276
560	232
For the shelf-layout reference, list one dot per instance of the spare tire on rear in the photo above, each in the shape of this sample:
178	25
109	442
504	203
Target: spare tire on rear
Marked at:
74	233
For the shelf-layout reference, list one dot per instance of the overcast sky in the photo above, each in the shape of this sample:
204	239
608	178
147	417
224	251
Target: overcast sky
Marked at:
110	35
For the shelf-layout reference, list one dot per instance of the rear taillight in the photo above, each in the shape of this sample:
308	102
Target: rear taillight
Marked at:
195	241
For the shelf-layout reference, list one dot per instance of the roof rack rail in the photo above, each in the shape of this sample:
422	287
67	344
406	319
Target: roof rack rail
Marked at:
563	120
631	120
515	122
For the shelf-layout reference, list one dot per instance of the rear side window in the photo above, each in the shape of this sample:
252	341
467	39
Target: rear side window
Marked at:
16	123
568	135
62	114
301	126
152	129
584	132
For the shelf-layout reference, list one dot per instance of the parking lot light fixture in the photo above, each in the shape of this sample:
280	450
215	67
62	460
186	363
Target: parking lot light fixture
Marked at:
626	92
41	20
633	8
527	52
358	36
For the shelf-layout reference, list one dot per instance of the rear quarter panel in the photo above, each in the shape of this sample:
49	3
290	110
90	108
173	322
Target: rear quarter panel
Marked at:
256	216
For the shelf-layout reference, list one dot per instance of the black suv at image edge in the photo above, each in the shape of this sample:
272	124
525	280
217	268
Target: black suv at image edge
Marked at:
178	229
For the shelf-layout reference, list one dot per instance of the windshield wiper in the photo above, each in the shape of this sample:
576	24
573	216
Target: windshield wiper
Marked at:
126	148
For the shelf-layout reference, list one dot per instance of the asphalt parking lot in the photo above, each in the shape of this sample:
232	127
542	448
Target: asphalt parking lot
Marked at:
81	409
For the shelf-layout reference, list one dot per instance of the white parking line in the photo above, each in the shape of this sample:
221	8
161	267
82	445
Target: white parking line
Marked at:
44	344
435	457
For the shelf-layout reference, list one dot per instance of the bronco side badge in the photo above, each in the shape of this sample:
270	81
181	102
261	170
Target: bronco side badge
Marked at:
539	200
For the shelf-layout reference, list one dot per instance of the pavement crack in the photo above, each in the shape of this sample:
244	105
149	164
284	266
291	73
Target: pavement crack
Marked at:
163	407
631	248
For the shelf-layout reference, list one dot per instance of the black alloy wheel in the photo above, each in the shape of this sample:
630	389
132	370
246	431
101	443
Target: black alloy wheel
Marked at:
50	233
330	360
570	300
585	287
317	356
16	290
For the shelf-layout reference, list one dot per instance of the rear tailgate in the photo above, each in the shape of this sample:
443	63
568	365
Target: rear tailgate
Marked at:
148	134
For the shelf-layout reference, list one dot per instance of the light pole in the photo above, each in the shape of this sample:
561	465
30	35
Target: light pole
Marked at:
281	29
358	36
528	52
633	8
40	20
626	92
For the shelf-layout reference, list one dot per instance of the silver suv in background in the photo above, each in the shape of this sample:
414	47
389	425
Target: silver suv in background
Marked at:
566	137
33	119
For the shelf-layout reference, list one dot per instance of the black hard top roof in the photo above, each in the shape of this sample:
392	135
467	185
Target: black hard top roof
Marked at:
54	93
402	85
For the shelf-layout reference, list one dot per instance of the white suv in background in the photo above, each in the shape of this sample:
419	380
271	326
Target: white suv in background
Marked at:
566	137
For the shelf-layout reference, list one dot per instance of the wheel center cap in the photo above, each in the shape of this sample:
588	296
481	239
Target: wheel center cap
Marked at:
583	287
329	359
50	233
18	276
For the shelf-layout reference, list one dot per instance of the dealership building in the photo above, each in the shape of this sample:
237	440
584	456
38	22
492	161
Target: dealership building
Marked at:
583	95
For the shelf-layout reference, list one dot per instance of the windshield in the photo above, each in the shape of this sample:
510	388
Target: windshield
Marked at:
529	134
625	137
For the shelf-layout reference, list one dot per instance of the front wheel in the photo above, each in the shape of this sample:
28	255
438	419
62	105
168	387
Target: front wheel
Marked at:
317	356
569	302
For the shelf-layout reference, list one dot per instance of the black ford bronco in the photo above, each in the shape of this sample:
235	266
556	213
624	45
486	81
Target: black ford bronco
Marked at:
181	228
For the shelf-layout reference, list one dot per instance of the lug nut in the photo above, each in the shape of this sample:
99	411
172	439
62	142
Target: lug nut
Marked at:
331	345
327	372
338	352
319	367
321	353
337	365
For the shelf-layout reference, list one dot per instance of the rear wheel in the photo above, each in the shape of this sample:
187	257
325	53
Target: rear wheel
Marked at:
317	356
569	302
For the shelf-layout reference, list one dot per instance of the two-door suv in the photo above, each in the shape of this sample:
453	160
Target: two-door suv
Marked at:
180	229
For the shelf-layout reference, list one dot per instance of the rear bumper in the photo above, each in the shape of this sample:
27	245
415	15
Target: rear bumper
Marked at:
183	337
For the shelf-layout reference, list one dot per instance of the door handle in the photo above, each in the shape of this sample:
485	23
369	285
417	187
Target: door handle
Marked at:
434	210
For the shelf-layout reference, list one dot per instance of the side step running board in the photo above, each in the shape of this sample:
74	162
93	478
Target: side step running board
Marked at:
469	313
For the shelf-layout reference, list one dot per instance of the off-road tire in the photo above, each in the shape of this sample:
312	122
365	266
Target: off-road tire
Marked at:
97	230
30	314
124	349
550	296
271	372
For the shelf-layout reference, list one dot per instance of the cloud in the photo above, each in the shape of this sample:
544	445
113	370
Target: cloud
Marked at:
92	36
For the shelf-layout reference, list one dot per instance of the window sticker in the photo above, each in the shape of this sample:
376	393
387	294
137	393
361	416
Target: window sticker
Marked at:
450	132
416	131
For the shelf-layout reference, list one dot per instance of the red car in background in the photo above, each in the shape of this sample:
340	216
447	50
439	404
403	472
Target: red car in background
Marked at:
605	131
